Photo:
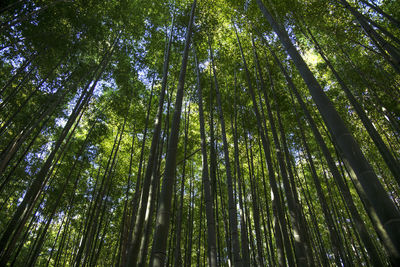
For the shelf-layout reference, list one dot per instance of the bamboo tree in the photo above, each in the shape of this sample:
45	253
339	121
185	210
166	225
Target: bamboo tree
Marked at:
237	260
383	13
20	216
253	258
337	244
142	258
177	255
125	217
298	207
200	228
99	203
300	239
212	247
23	66
343	187
161	231
256	213
213	173
390	53
77	189
37	247
391	162
189	226
332	166
41	119
225	220
381	203
267	230
134	244
279	212
243	225
129	213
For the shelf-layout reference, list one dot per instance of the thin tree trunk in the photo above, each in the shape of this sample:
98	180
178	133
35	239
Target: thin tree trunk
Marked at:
383	13
306	194
252	177
391	162
213	168
228	240
200	226
390	53
124	221
237	260
212	247
56	204
361	228
279	211
19	71
386	211
130	219
300	238
20	216
100	203
267	231
6	100
163	214
134	244
337	244
189	227
256	213
151	203
13	147
243	225
177	254
298	207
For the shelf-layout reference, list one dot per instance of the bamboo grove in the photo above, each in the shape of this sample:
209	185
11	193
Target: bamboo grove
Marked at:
200	133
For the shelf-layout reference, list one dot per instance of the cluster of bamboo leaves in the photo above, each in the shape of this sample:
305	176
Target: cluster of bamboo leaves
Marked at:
204	133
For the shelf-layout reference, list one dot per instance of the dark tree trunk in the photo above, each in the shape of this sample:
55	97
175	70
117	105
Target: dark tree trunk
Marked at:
212	247
237	260
391	162
361	228
22	213
135	239
163	214
381	203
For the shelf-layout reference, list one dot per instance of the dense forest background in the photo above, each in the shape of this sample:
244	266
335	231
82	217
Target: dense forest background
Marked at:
216	133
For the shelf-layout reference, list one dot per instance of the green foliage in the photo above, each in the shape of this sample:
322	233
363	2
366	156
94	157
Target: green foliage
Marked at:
65	45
